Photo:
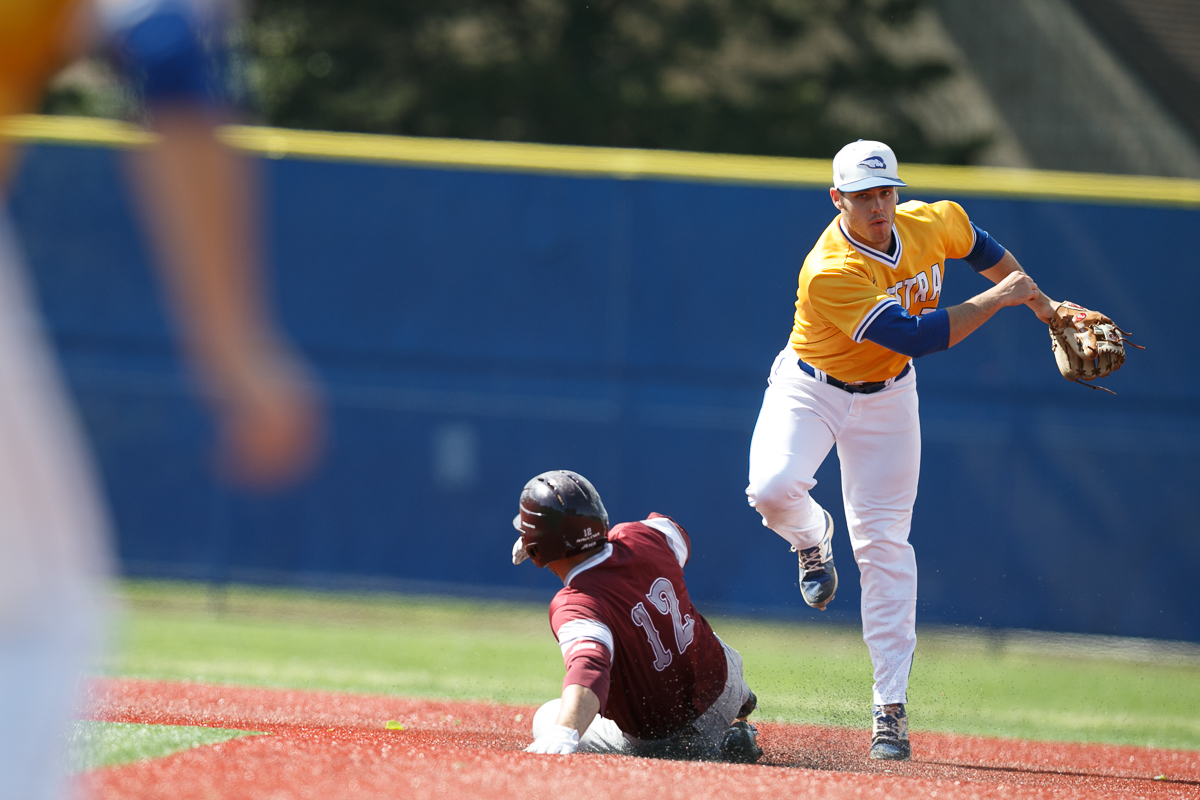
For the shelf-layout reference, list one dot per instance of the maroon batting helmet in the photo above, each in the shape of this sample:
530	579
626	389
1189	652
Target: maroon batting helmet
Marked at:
561	515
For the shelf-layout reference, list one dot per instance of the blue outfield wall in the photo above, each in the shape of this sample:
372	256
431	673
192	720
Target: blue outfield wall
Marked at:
475	328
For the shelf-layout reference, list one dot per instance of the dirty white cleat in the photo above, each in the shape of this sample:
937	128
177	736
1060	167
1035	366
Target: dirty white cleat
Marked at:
889	733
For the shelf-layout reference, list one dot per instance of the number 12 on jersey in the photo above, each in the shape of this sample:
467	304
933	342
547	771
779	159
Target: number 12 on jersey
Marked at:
662	597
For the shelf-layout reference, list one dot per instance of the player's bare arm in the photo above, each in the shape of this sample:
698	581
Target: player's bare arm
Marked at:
580	705
1042	306
198	196
1014	289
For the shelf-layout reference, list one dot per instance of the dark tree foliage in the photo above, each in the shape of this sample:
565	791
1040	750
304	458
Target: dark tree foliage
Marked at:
769	77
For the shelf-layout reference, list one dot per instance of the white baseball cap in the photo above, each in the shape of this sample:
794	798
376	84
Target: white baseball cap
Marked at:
864	165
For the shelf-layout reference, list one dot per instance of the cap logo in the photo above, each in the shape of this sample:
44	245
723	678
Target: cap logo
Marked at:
874	162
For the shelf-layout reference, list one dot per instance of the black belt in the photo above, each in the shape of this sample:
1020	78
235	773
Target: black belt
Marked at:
854	388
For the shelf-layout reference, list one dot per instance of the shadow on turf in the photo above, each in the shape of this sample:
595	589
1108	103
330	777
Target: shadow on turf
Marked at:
1064	773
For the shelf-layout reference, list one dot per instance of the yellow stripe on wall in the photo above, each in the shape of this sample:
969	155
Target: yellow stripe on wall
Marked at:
72	130
623	163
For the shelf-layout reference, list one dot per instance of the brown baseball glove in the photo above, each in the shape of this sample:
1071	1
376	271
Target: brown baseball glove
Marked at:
1086	344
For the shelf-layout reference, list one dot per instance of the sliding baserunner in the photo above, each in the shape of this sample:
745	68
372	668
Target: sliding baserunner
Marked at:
645	675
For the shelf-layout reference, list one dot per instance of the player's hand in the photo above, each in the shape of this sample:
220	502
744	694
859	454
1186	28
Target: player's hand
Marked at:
559	740
269	417
1016	289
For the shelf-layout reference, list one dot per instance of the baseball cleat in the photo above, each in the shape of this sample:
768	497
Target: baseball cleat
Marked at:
740	744
889	733
818	578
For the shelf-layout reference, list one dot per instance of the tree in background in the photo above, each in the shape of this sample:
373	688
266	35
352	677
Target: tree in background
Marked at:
766	77
769	77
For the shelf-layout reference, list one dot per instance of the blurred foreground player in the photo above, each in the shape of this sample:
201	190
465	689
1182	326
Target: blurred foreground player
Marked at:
646	676
54	549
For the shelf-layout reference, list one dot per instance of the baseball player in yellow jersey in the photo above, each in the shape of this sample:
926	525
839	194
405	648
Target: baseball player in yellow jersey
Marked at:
867	304
54	550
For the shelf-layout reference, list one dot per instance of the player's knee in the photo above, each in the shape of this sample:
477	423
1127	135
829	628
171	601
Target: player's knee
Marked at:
774	496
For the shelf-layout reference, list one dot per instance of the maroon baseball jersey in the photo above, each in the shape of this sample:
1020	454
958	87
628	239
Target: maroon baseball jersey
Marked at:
626	612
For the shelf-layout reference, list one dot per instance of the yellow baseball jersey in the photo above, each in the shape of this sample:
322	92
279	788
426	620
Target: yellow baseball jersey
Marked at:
35	39
844	285
34	42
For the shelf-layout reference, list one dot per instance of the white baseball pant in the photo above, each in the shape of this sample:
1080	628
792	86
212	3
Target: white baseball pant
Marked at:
878	438
53	550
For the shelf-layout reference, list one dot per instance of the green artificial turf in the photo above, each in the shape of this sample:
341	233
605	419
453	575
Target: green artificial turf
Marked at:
386	644
458	649
107	744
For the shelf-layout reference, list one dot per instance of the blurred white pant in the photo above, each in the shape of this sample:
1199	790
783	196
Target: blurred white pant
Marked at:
878	439
53	550
603	735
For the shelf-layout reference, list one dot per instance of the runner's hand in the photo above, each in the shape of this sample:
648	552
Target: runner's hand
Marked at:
559	740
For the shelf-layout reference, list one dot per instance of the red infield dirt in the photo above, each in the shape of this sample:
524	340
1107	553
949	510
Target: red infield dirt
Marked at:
327	745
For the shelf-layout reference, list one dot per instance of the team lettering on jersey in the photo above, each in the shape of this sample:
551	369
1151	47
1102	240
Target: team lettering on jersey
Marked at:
927	286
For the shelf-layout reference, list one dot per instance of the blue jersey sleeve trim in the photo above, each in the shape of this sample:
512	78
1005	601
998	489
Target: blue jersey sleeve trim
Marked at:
986	253
871	316
900	332
165	56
